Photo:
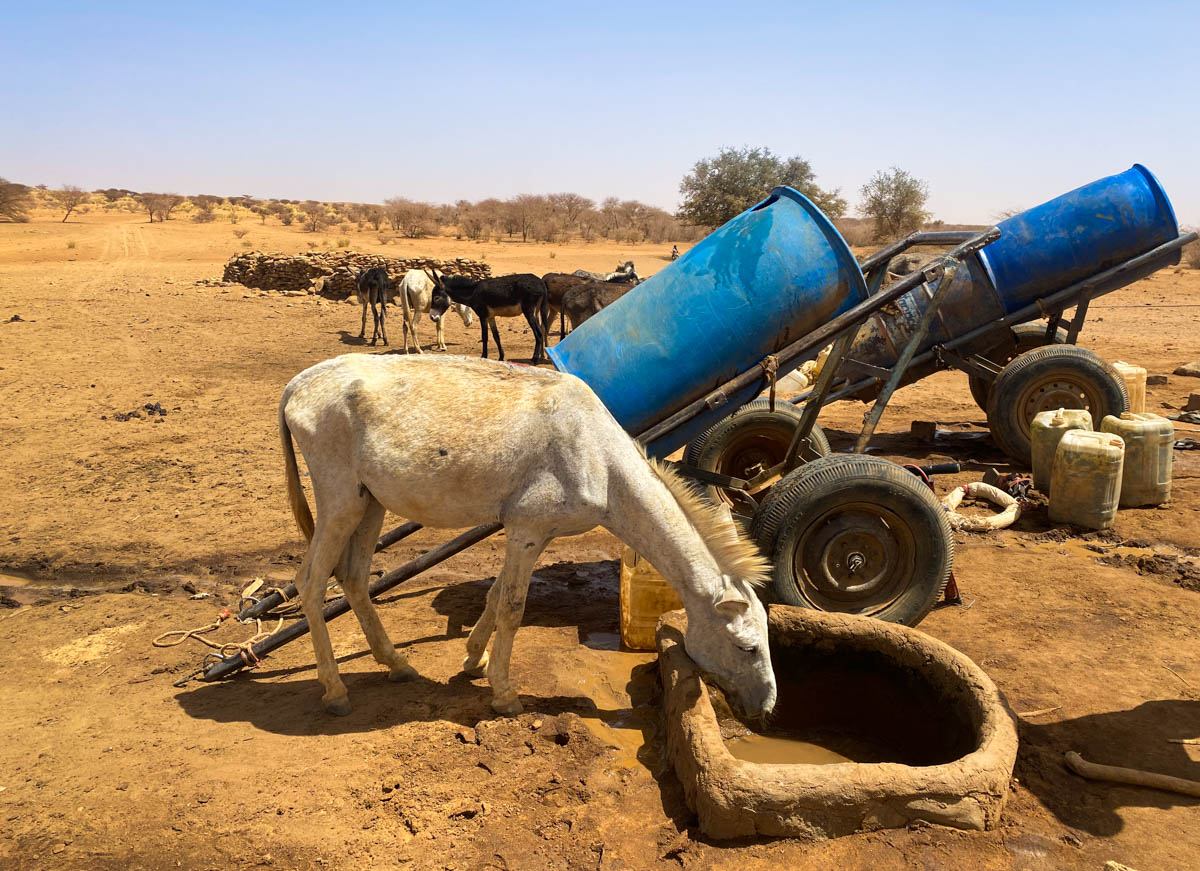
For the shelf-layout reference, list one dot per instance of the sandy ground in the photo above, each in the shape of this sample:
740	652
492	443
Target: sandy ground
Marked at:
109	527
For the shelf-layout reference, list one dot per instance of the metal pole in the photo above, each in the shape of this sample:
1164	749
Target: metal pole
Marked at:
337	607
817	396
274	600
906	356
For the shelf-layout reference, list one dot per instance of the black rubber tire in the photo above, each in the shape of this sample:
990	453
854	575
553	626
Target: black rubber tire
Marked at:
872	501
1025	337
1056	376
692	452
760	437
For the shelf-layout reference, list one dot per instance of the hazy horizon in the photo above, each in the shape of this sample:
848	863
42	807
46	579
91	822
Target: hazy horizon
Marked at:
995	108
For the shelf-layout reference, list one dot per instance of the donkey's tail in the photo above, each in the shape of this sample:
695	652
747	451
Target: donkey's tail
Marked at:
300	510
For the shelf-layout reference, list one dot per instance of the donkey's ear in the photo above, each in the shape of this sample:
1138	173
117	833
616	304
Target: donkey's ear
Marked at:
732	603
432	273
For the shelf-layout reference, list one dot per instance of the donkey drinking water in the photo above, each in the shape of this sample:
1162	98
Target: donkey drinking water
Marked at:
542	456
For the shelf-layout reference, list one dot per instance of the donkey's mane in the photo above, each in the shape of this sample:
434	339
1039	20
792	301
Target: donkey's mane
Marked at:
735	554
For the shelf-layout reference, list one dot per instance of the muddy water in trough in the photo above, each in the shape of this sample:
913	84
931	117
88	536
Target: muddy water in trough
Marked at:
856	706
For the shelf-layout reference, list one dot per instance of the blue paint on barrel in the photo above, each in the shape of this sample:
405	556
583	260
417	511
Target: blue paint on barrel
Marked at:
1083	232
771	275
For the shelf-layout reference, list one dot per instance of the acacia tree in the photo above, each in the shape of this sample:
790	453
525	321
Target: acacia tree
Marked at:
69	197
895	201
722	187
159	205
14	201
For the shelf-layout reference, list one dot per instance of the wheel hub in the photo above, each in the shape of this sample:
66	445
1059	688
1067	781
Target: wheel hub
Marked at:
854	558
1051	394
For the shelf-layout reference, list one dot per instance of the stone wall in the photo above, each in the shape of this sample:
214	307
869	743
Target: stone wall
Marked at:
331	273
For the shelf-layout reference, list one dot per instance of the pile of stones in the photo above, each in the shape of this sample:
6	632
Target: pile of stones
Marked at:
331	273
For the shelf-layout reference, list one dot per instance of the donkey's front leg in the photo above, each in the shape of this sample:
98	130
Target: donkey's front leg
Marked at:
520	556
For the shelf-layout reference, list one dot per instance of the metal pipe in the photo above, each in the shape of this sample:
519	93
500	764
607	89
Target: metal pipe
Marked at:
337	607
808	417
274	600
818	338
941	237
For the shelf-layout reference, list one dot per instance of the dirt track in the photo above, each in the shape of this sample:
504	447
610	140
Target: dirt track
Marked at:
109	526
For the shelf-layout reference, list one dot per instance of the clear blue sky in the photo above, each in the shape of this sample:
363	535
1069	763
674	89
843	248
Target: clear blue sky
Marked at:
995	107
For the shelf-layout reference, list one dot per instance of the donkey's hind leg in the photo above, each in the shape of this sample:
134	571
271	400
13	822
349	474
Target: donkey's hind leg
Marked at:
475	665
333	529
353	573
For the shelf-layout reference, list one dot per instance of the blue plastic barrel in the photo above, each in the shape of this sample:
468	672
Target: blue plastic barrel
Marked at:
771	275
1083	232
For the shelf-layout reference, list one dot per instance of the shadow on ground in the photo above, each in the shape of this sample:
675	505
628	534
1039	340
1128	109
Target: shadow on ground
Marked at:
1137	738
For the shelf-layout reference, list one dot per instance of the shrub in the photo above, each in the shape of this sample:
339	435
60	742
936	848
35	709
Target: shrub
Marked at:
1191	254
240	232
552	255
311	245
383	240
204	215
71	244
343	242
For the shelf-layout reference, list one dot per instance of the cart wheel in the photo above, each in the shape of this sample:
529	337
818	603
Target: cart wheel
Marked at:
750	440
858	535
1058	376
1025	337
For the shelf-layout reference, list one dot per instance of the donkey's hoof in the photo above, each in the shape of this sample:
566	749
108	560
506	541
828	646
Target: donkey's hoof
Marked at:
508	709
401	673
337	707
476	669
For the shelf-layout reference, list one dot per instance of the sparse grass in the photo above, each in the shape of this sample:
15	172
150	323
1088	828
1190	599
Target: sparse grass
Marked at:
343	242
311	245
240	232
246	243
71	243
383	239
553	255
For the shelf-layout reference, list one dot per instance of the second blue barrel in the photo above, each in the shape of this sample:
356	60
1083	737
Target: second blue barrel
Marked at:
767	277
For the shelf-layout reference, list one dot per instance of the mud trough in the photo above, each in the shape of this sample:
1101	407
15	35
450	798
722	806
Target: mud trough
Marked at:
924	729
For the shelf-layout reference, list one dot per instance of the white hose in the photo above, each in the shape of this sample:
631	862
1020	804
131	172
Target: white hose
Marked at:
1007	516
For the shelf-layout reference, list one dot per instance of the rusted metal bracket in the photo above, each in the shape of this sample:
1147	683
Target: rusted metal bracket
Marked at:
972	365
704	476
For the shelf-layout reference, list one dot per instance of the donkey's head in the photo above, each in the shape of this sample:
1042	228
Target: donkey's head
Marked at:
439	301
727	624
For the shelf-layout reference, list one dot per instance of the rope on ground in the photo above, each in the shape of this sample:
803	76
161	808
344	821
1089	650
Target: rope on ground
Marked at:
175	637
1007	516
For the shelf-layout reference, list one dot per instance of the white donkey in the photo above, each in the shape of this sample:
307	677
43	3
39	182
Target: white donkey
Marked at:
416	293
540	454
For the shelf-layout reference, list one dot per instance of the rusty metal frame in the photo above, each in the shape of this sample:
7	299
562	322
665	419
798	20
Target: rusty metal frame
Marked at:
1053	306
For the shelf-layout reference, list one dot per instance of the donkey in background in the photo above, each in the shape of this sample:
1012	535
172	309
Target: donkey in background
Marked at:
373	287
506	296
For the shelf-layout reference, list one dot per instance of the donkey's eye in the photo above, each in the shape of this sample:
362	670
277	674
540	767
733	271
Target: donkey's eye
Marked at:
750	650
